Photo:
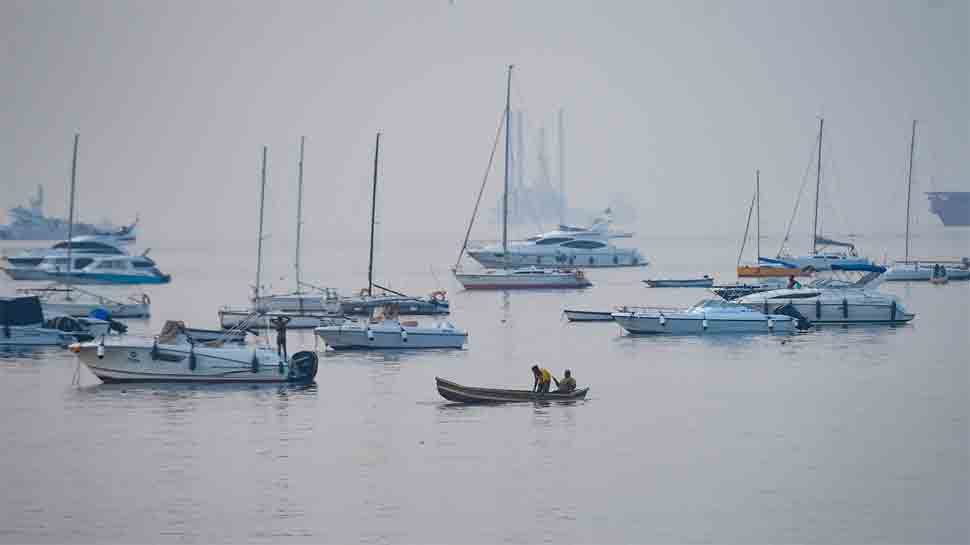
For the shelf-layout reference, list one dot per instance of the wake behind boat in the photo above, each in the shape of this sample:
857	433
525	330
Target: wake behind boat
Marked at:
453	391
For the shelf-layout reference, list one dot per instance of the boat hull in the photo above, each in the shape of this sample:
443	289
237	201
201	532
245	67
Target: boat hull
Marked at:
500	281
182	363
613	259
124	310
588	316
680	324
835	312
465	394
695	283
105	278
357	338
922	273
753	271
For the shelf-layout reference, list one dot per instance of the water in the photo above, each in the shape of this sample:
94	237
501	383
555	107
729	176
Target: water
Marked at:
844	434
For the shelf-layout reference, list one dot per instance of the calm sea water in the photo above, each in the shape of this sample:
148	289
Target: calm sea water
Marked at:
838	435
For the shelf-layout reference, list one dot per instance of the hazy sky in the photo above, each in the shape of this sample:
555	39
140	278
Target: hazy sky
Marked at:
673	103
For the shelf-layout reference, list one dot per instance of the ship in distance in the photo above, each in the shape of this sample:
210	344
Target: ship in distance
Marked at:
952	207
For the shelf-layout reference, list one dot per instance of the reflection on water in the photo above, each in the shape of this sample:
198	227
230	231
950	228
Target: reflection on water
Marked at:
836	434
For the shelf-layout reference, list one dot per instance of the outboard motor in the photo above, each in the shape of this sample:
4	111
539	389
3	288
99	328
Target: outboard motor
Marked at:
303	366
789	310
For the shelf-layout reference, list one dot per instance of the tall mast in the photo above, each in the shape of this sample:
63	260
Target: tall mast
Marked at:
259	240
373	211
70	216
562	171
299	216
757	192
909	189
818	184
505	194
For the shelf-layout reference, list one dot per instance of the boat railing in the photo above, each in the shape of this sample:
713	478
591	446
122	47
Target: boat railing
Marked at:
636	309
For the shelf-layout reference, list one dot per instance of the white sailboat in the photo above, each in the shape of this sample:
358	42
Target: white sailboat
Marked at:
507	277
305	310
915	270
384	329
821	259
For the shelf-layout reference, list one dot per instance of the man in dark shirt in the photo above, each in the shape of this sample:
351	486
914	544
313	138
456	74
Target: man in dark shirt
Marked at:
279	324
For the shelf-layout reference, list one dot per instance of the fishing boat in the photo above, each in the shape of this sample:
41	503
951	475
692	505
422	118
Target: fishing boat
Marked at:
704	282
566	246
588	315
465	394
129	359
22	324
835	301
710	316
386	330
509	277
825	251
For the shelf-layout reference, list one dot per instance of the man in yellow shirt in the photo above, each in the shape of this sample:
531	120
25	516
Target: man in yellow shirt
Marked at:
543	378
567	384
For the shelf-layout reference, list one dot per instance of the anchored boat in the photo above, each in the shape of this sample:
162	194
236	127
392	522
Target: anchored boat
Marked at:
465	394
706	317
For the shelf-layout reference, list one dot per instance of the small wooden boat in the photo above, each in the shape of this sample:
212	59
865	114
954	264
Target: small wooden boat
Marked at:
588	316
704	282
466	394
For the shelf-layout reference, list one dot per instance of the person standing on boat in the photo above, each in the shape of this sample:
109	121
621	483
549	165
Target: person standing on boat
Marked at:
792	283
567	384
543	378
279	324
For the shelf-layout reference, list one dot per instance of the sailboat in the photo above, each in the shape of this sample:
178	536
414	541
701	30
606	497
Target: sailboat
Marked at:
764	267
65	299
508	277
820	259
912	270
384	329
304	310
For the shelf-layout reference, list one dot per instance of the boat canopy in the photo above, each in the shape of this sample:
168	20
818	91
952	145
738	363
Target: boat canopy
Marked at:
20	311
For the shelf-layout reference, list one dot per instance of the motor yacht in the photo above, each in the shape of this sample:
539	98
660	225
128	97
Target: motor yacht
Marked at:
124	269
85	245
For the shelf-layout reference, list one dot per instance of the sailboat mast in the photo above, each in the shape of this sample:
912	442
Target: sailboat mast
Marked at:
373	211
259	240
299	216
909	188
505	193
562	171
70	217
818	185
757	192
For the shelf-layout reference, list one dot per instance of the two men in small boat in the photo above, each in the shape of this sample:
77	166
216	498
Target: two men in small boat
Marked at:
543	380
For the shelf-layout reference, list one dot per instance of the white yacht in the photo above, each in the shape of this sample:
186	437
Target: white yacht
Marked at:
706	317
566	246
834	301
85	245
386	330
124	269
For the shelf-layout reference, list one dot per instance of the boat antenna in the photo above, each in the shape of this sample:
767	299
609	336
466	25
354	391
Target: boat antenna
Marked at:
70	217
818	184
757	194
909	188
505	194
299	216
259	240
373	211
481	191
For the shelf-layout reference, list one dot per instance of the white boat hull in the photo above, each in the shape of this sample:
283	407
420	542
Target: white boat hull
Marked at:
588	316
359	337
501	280
683	324
615	258
124	310
831	311
134	362
923	273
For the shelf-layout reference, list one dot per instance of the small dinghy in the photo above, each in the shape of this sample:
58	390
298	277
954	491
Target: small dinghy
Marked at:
466	394
705	282
588	315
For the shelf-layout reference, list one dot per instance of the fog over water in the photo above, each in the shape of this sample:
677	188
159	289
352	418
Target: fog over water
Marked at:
673	104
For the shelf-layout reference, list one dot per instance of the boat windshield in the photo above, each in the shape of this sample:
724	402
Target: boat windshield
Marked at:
829	283
716	304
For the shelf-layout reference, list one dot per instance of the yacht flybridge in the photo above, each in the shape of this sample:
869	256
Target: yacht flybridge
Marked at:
505	275
566	246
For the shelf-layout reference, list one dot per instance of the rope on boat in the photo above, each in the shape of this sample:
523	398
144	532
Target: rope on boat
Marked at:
481	191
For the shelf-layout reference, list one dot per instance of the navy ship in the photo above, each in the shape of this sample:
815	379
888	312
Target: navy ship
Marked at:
952	207
30	223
